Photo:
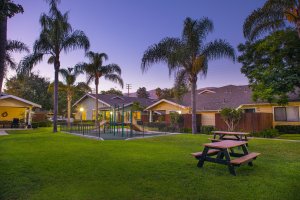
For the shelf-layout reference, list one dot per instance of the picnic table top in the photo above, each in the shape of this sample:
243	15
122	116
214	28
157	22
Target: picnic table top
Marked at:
230	133
225	144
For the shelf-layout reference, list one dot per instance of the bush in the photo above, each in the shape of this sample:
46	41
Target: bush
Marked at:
41	124
206	129
268	133
288	129
186	130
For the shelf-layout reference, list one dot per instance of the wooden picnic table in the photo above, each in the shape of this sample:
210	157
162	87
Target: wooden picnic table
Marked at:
239	136
224	151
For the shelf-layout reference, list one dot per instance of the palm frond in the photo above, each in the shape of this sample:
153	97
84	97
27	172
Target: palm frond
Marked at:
28	62
76	40
114	78
9	62
161	52
16	46
111	68
219	49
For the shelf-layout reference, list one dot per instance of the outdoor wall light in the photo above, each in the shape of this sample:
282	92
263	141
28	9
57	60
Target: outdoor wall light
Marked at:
179	112
81	109
110	113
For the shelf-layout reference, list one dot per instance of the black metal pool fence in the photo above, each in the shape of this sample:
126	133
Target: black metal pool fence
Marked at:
104	131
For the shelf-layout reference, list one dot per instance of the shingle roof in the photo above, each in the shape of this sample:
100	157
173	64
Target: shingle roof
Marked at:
227	96
115	100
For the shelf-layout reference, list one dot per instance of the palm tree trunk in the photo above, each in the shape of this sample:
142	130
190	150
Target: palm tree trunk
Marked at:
193	104
3	41
55	107
69	108
96	111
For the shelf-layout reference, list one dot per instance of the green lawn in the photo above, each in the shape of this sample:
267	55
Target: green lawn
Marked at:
41	165
290	136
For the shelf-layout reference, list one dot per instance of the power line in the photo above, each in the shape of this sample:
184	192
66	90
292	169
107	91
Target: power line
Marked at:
128	87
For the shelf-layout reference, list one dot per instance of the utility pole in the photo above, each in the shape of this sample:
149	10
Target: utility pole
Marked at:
128	87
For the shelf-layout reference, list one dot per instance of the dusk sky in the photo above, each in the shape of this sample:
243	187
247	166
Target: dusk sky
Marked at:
124	29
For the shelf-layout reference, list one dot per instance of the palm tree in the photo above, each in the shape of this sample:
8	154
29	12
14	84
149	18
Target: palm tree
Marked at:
70	75
56	36
7	10
271	17
95	70
188	55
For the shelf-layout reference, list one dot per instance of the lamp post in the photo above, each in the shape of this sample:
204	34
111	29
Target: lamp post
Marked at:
81	111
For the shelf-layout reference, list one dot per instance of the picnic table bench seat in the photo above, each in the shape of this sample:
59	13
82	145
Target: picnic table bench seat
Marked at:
245	159
214	140
210	152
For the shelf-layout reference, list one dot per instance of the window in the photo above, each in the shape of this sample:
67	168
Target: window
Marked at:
249	110
289	114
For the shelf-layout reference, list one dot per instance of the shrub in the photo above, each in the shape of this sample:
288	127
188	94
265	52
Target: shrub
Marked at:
206	129
186	130
41	124
288	129
268	133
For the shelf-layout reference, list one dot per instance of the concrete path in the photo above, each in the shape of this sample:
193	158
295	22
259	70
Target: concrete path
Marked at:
3	132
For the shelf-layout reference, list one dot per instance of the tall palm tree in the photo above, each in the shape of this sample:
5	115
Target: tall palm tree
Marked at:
70	75
56	36
188	55
271	17
95	70
7	10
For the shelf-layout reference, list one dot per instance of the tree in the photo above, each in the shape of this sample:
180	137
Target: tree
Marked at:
274	15
272	66
158	92
95	70
231	117
7	10
57	35
188	55
142	93
69	87
112	91
33	88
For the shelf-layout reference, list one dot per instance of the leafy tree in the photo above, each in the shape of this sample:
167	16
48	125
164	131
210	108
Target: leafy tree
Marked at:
95	70
231	117
274	15
112	91
272	66
7	10
188	55
136	106
158	92
33	88
56	35
142	93
69	76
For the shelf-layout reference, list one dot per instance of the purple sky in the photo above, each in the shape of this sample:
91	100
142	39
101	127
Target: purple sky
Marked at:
125	29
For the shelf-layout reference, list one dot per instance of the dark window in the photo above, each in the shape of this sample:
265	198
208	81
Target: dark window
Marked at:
249	110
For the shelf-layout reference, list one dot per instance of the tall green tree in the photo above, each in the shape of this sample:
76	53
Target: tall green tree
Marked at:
7	10
274	15
69	76
96	70
142	93
33	88
272	66
57	36
188	55
112	91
